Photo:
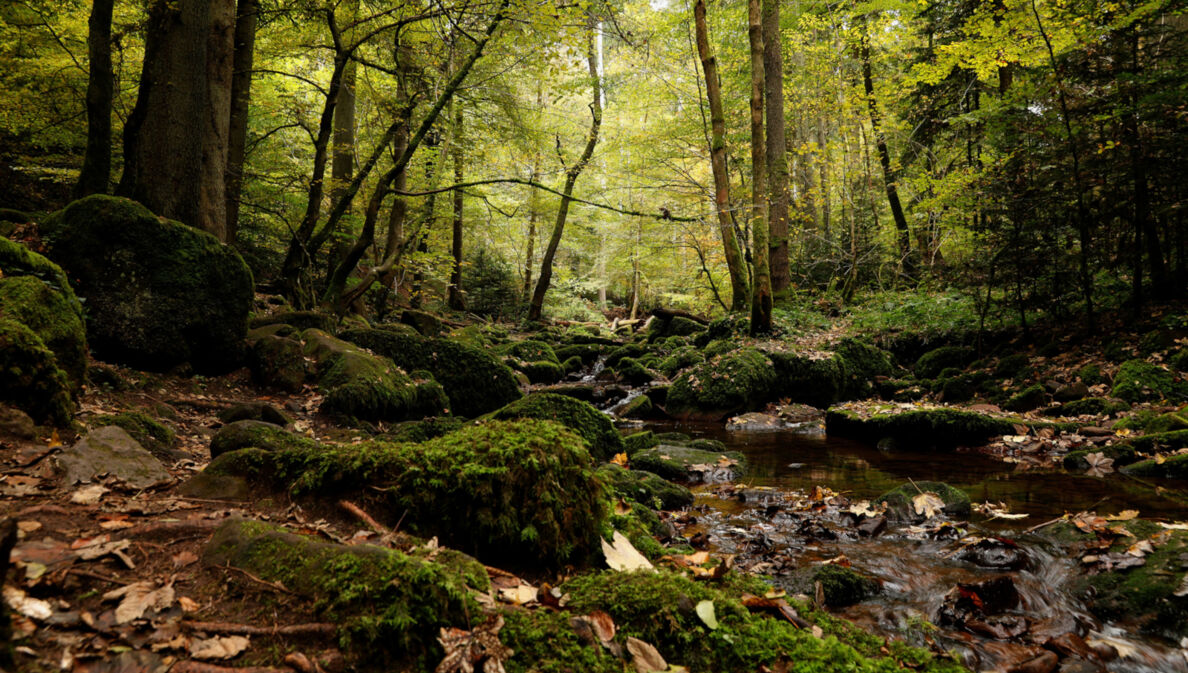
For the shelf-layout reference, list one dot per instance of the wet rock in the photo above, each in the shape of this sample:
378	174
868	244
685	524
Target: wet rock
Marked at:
755	422
940	428
800	413
158	293
639	407
980	607
1070	645
1045	662
899	500
872	526
16	423
995	553
682	463
1078	665
844	586
1071	392
1175	467
255	411
111	452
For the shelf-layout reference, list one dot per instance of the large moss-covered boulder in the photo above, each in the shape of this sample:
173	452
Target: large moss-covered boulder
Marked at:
529	350
521	493
362	385
256	434
52	316
645	488
690	464
919	428
1141	381
475	380
932	363
158	438
158	293
737	381
278	362
30	378
589	423
389	606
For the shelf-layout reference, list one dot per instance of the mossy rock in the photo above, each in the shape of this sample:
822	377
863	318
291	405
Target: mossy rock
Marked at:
1144	595
844	586
475	380
358	384
956	389
1121	454
427	324
152	434
573	365
542	371
158	293
864	360
1179	360
738	381
639	406
658	608
256	410
1174	467
921	428
256	435
1090	374
1156	340
590	424
1161	441
424	429
529	350
1089	406
1012	366
299	320
683	463
30	378
278	363
634	372
1028	399
587	352
1141	381
932	363
680	358
1149	421
809	379
678	326
17	260
645	487
639	441
631	350
544	641
52	316
899	500
389	606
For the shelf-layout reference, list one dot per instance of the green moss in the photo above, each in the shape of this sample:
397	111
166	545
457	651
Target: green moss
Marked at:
360	385
1121	454
899	499
922	428
810	379
1089	406
573	364
529	351
158	293
634	372
424	430
676	462
1011	366
1032	397
587	352
1155	340
542	371
1139	381
631	350
1090	374
639	441
1144	594
1161	441
152	434
543	641
719	347
738	381
640	406
1146	420
17	260
645	488
277	362
590	424
30	379
518	492
300	320
1174	467
844	586
475	380
863	360
678	359
389	606
930	364
53	317
258	435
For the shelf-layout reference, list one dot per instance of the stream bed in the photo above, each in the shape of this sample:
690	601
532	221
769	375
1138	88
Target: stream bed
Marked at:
777	521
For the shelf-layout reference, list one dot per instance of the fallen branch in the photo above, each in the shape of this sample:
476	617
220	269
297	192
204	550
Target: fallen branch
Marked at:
199	667
321	630
376	527
272	585
169	531
670	313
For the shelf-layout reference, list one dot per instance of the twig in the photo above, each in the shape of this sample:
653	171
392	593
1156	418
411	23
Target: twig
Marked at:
913	483
93	575
366	518
326	630
272	585
1042	525
199	667
41	509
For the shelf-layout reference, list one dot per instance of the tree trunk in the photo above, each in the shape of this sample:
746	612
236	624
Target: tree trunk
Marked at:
456	298
168	156
95	177
533	212
890	178
713	89
246	20
342	164
777	156
761	298
571	176
823	182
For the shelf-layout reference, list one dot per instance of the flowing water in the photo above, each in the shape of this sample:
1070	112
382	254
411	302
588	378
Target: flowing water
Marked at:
915	568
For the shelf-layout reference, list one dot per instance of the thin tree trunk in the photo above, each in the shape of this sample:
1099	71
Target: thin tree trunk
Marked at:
823	182
890	178
246	20
456	299
533	213
777	157
216	136
571	176
342	164
95	177
761	300
713	89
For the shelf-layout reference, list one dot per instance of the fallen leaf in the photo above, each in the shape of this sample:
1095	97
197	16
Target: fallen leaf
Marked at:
697	558
28	526
88	495
644	657
620	459
465	649
24	604
601	625
928	504
1124	515
139	598
705	610
220	647
1182	590
622	556
518	595
184	558
188	604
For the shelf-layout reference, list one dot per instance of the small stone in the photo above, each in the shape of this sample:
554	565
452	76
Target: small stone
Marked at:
16	423
110	451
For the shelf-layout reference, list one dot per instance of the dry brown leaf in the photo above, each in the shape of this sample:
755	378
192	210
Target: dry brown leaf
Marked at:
138	598
1124	515
644	657
518	595
24	604
622	556
220	647
88	495
928	504
184	558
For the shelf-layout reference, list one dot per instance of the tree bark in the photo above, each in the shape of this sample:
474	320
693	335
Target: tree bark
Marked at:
343	162
713	88
456	300
533	212
220	68
890	178
246	21
777	157
95	177
761	300
571	176
165	135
